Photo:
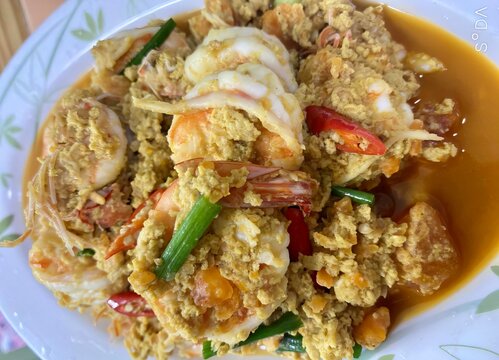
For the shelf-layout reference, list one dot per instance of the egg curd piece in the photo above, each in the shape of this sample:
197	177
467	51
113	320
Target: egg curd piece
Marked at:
227	48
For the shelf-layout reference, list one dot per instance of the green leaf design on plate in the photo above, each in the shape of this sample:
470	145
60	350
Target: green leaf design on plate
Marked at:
7	131
94	27
90	22
468	352
4	179
490	303
495	269
100	21
5	223
82	34
387	357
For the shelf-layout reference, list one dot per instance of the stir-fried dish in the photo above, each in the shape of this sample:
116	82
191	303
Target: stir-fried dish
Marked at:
211	191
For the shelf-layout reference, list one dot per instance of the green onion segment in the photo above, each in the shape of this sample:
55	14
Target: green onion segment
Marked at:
291	343
286	323
208	351
357	196
86	252
159	38
186	237
357	351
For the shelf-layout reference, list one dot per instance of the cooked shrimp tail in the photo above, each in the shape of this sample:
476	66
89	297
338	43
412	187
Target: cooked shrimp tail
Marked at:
280	191
126	240
276	187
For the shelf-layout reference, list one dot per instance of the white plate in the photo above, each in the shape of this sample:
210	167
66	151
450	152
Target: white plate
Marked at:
464	326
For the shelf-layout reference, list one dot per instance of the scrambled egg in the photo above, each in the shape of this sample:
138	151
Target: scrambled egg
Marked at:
110	165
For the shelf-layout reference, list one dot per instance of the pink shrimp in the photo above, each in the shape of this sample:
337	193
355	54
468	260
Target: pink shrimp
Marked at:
329	36
276	187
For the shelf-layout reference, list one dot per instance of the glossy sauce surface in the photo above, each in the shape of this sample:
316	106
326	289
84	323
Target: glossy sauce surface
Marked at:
466	189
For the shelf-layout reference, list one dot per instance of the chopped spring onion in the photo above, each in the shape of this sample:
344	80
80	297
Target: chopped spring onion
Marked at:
86	252
357	351
292	343
208	351
159	38
287	322
186	237
357	196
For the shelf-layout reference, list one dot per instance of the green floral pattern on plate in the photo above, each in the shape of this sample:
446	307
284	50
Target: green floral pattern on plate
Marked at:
4	179
491	301
8	131
5	223
387	357
94	27
470	352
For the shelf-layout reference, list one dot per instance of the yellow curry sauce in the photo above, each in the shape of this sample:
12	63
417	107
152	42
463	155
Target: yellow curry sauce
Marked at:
465	187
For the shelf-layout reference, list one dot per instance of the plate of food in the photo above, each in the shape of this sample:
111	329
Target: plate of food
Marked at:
310	179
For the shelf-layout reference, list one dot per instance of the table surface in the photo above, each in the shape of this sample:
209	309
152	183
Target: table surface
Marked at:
18	18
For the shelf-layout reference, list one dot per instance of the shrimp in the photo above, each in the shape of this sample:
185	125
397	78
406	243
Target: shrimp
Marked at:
90	154
289	23
219	13
329	36
107	167
216	14
76	281
223	297
227	301
379	93
422	63
252	88
162	72
228	296
397	113
115	53
193	135
275	187
104	125
226	49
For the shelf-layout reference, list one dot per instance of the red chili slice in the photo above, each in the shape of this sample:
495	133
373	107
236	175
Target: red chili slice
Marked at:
130	304
299	241
355	138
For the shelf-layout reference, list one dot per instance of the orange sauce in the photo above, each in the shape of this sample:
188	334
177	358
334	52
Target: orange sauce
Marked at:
466	188
182	20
